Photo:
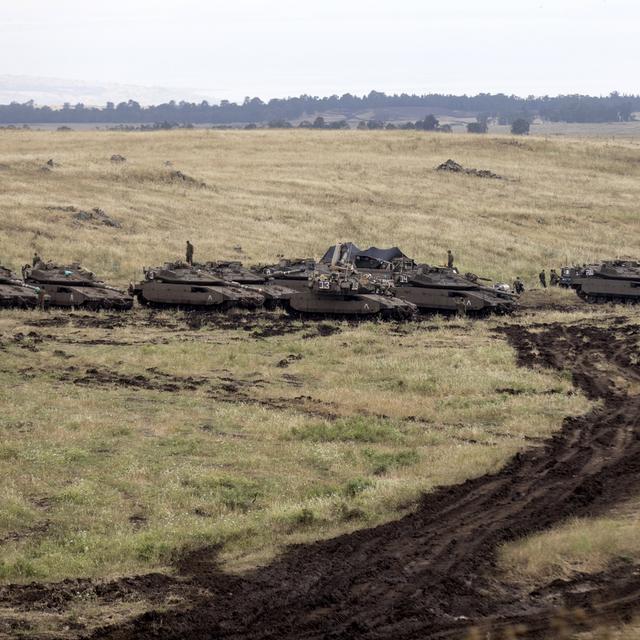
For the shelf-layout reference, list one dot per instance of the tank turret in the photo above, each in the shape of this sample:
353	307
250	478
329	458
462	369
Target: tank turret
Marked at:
73	286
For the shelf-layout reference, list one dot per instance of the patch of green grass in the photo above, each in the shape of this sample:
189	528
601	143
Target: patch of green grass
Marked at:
355	429
234	493
356	486
383	461
126	478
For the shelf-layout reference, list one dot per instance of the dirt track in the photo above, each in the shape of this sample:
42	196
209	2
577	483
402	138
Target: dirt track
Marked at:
431	574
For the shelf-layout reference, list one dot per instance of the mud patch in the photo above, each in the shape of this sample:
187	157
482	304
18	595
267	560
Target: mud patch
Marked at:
58	596
285	362
30	532
430	574
154	379
97	321
263	324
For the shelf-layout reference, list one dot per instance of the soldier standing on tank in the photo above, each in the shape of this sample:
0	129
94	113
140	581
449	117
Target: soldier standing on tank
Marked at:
36	259
554	278
543	279
189	252
449	259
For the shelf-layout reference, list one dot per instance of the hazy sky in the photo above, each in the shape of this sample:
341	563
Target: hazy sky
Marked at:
286	47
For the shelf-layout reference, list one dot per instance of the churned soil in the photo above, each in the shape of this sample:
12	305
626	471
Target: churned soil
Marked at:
432	574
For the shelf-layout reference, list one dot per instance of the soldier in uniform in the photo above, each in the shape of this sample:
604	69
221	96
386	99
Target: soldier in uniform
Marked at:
518	286
36	258
554	278
41	295
189	252
449	259
461	307
543	278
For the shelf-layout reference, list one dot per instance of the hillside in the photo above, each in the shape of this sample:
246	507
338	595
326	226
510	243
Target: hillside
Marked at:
171	474
294	193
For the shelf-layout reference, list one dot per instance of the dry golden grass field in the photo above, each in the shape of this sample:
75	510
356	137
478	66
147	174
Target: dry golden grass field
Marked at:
125	440
295	192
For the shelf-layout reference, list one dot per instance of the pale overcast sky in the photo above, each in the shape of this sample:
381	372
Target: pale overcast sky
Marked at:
288	47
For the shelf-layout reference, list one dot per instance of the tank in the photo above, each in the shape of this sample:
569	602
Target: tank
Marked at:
430	288
615	281
15	293
73	286
339	290
184	285
235	273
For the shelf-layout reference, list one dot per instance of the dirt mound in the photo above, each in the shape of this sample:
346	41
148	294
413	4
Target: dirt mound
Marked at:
430	574
157	380
454	167
178	176
98	216
95	215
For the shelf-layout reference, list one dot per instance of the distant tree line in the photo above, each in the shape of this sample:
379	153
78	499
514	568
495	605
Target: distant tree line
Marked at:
506	109
430	123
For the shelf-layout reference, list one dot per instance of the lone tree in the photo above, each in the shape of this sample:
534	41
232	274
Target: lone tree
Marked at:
477	127
319	123
430	123
520	127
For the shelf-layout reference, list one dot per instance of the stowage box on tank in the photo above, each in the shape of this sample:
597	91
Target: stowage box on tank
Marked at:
73	286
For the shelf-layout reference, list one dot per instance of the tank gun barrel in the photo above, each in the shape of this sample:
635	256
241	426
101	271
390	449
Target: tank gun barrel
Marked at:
110	288
336	254
286	272
20	283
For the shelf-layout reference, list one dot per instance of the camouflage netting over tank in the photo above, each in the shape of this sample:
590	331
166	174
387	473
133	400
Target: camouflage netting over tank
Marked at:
350	251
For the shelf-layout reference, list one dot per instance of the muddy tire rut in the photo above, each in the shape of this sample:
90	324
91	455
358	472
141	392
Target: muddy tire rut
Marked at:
432	574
